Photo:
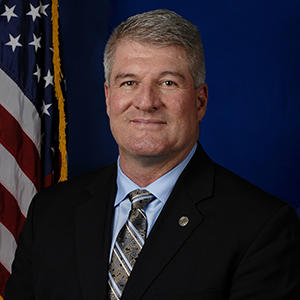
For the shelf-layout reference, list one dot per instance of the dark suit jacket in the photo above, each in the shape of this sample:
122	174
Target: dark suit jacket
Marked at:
240	243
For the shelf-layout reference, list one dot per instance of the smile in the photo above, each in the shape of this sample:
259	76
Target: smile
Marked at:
148	121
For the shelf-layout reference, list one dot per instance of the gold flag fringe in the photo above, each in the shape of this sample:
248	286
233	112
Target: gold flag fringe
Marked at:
58	92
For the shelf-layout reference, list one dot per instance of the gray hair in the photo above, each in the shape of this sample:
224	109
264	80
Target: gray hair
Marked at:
160	28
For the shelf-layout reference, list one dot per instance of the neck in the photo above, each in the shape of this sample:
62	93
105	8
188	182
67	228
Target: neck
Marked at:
145	170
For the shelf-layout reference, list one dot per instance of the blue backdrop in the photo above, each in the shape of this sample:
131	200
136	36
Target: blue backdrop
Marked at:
252	53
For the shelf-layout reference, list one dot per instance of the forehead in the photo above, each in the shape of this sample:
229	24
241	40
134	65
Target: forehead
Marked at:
142	58
126	44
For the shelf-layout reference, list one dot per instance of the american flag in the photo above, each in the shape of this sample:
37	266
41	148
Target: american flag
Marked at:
30	156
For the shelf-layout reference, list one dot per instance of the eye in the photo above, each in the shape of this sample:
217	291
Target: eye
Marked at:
169	83
128	83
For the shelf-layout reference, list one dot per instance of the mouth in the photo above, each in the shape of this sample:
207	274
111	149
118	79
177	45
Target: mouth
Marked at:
147	121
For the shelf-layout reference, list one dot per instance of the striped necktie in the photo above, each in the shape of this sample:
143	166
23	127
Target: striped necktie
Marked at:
129	243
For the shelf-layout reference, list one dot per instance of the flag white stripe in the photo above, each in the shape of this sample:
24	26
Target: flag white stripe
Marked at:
8	247
21	108
15	181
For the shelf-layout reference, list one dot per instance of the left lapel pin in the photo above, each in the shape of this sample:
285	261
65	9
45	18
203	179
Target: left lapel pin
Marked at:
183	221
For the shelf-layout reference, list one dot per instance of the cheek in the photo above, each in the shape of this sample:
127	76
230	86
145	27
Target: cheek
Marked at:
185	116
184	108
116	105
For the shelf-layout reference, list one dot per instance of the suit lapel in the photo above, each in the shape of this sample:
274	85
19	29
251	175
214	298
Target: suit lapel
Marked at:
93	236
168	236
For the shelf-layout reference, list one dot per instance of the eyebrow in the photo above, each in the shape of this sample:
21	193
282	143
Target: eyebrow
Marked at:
132	75
123	75
173	73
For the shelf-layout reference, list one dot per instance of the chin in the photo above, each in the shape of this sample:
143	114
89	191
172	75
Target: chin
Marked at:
147	149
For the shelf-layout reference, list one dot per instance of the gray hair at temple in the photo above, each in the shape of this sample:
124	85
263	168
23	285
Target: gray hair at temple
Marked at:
160	28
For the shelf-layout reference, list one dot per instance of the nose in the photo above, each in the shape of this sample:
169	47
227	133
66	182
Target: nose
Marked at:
147	98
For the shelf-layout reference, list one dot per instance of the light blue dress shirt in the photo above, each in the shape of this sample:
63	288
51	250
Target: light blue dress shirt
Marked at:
160	188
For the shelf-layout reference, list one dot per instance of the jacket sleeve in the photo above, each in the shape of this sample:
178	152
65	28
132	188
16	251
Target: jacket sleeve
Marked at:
270	267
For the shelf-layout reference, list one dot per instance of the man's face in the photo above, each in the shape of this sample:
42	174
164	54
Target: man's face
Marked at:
152	104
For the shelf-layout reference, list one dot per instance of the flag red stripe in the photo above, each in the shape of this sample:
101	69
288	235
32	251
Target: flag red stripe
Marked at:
20	146
4	274
48	180
10	214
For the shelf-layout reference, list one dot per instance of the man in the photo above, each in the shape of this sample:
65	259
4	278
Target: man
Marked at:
165	222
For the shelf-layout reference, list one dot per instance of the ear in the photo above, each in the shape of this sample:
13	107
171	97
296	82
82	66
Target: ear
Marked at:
202	96
107	91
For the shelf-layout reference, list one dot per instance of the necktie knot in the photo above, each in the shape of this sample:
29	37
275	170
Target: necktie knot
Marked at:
140	198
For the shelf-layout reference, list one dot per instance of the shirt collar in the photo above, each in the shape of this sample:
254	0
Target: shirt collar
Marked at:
160	188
